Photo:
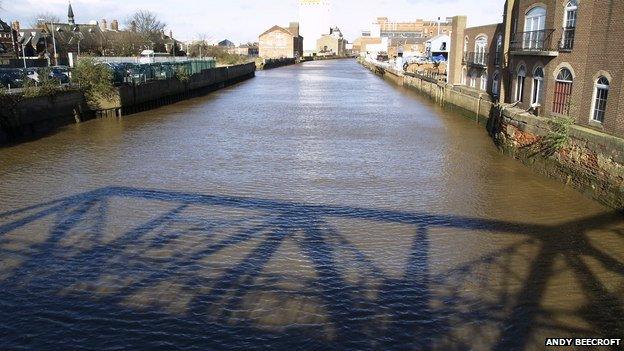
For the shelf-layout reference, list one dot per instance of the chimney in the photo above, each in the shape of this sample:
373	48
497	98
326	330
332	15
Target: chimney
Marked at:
293	28
16	25
103	24
114	25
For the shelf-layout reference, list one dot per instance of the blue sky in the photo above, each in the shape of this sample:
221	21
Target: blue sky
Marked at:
243	20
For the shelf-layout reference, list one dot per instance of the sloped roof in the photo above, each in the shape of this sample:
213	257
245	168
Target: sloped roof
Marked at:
274	28
4	26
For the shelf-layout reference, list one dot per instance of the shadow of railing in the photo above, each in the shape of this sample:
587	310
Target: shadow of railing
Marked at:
199	274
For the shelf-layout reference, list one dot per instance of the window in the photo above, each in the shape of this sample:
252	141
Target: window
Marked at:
473	79
538	86
480	48
499	50
484	80
601	93
534	25
464	76
495	83
569	25
520	83
563	92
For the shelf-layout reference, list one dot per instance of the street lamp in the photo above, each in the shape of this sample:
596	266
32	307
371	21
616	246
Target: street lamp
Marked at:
22	40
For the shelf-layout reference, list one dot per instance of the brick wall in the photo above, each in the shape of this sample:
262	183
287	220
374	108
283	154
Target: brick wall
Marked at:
278	43
597	51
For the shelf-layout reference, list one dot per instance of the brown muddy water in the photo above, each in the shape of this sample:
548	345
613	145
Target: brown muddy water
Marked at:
314	207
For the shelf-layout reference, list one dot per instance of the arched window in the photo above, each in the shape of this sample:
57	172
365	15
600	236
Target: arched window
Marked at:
495	83
520	83
464	76
538	86
569	24
499	50
480	49
563	92
473	79
601	94
484	78
534	29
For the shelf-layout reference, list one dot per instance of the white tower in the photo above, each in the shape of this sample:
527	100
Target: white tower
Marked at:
314	21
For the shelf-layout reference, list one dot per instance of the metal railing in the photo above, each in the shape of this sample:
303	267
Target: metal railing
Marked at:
567	39
537	40
480	59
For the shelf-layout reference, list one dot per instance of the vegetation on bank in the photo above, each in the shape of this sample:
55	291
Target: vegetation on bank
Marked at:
220	54
94	79
558	136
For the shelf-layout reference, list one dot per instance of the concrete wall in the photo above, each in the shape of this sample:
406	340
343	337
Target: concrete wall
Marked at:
23	118
590	161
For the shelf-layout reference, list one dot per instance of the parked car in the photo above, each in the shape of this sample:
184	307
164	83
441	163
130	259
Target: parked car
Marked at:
32	74
60	73
11	78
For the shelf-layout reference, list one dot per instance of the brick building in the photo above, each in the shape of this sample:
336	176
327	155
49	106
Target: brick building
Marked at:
566	57
416	29
279	42
554	57
482	57
332	43
8	38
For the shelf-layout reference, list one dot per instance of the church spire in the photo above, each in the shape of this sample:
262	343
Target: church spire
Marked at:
70	15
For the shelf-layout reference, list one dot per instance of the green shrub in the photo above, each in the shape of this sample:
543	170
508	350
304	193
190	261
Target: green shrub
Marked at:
95	79
559	135
182	74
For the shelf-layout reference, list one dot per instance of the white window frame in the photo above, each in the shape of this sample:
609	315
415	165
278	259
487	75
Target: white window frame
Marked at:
534	22
480	49
571	7
499	50
520	81
537	88
484	78
495	83
597	87
473	80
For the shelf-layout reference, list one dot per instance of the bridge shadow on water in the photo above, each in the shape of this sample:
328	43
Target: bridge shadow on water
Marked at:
200	274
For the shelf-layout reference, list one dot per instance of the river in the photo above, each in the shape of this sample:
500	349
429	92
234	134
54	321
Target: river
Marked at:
313	207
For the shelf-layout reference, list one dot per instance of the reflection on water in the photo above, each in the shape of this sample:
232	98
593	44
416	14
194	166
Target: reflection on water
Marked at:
373	221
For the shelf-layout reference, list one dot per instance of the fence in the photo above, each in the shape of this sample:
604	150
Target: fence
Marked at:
138	73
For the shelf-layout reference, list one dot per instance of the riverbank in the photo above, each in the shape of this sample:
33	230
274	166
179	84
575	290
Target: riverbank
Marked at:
264	64
587	160
27	118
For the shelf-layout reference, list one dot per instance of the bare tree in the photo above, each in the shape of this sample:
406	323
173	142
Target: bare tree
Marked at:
147	24
200	47
46	17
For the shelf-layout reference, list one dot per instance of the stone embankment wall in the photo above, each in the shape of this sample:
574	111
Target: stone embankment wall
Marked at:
23	118
589	161
263	64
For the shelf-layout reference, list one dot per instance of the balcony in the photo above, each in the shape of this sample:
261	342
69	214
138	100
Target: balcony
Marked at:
534	43
476	59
